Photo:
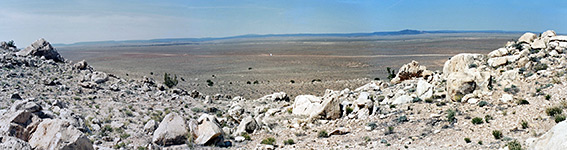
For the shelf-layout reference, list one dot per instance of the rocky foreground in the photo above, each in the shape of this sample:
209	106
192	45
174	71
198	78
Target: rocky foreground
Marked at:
511	98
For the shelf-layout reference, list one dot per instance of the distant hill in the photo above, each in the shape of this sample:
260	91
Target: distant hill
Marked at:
169	41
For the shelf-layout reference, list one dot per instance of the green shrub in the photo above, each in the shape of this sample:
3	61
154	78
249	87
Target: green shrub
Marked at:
246	136
514	145
451	115
458	97
429	100
523	102
473	65
323	134
268	141
402	119
289	142
124	136
524	124
553	111
11	43
482	103
292	81
391	73
559	118
468	140
367	138
349	110
168	81
547	97
477	120
479	142
390	130
210	83
540	66
497	134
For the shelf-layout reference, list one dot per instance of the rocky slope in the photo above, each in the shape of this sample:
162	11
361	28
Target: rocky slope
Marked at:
508	98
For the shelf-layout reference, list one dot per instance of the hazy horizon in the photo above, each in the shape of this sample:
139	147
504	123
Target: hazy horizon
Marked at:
79	21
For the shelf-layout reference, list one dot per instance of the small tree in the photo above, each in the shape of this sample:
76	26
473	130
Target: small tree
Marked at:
168	81
11	43
391	73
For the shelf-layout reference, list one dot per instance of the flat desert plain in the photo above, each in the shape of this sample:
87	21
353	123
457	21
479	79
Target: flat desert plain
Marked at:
253	67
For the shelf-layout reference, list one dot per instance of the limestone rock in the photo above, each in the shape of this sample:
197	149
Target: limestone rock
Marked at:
150	126
306	105
424	89
506	98
497	61
58	134
402	100
462	62
410	70
41	48
12	143
99	77
208	132
554	139
81	65
171	131
247	125
331	108
527	38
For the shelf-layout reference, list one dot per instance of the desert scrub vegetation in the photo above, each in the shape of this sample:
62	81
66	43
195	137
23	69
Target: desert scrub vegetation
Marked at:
553	111
497	134
451	115
210	83
512	89
268	141
514	145
468	140
391	73
477	120
169	81
482	103
289	142
322	134
559	118
524	124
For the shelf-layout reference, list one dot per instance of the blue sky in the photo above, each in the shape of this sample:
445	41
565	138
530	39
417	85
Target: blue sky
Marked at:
84	20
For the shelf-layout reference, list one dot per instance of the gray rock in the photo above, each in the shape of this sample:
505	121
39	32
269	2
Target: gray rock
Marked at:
247	125
59	134
41	48
81	65
410	70
150	126
12	143
527	38
554	139
424	89
208	132
306	105
402	100
99	77
171	131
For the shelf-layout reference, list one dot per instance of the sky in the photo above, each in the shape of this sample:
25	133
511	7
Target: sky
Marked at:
70	21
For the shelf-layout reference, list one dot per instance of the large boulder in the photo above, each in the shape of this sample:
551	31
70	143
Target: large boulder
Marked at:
410	70
15	123
424	89
171	131
12	143
554	139
208	130
58	134
331	108
247	125
527	38
306	105
41	48
462	78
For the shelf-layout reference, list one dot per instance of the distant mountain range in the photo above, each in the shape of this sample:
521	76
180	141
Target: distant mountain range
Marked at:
189	40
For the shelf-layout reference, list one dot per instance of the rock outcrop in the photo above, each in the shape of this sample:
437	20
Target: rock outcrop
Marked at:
171	131
41	48
58	134
411	70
